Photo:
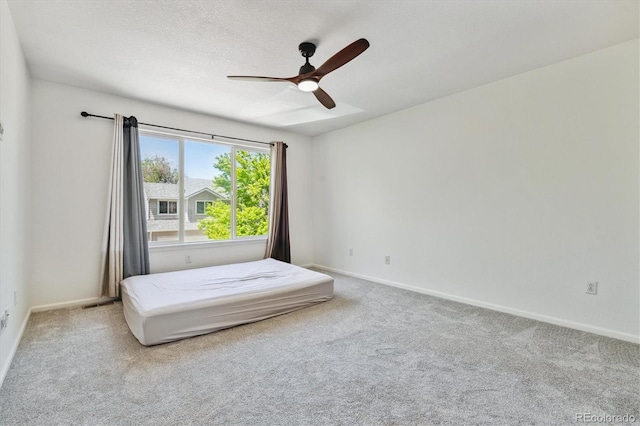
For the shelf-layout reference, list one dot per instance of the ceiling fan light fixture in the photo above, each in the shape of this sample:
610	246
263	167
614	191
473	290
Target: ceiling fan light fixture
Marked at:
308	85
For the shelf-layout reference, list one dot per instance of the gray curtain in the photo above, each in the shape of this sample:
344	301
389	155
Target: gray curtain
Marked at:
124	250
278	241
135	251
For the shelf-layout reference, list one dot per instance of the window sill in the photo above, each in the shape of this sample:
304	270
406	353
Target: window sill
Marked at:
204	244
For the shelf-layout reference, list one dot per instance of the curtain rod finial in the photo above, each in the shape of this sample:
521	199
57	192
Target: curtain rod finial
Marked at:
84	114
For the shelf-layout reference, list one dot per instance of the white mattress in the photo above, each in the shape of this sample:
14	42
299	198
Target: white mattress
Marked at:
164	307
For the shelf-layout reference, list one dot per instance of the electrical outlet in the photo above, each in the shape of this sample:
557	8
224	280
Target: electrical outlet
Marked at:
187	259
592	287
387	260
350	252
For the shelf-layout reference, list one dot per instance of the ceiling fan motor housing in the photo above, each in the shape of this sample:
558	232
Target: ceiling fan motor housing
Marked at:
306	68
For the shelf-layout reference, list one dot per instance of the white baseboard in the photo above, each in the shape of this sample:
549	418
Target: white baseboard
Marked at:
14	348
518	312
71	304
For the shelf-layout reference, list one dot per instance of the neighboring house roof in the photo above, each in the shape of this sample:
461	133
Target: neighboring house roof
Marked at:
169	191
194	186
161	190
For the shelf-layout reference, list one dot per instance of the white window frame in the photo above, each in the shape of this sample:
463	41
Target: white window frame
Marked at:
210	202
168	214
182	201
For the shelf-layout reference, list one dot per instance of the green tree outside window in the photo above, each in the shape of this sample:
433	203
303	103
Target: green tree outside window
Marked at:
253	171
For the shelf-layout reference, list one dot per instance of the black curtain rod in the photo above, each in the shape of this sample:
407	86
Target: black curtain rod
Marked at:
86	114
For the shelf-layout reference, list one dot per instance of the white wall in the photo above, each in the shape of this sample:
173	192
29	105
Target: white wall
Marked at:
512	195
15	212
70	172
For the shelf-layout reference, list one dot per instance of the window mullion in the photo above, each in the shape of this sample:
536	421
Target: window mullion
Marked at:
181	204
233	193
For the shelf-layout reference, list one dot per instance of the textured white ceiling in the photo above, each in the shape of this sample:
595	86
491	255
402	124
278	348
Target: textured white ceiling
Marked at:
179	53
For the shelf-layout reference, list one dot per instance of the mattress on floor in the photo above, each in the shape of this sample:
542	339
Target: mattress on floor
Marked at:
164	307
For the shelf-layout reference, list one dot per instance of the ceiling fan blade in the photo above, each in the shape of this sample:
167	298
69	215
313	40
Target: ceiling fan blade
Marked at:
324	98
342	57
257	78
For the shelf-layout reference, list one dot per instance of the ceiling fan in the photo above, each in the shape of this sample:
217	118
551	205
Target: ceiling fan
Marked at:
309	77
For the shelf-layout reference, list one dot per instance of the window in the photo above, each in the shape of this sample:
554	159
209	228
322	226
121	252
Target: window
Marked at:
204	190
201	206
167	207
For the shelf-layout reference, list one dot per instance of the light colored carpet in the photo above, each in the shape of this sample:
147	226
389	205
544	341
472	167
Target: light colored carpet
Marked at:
372	355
